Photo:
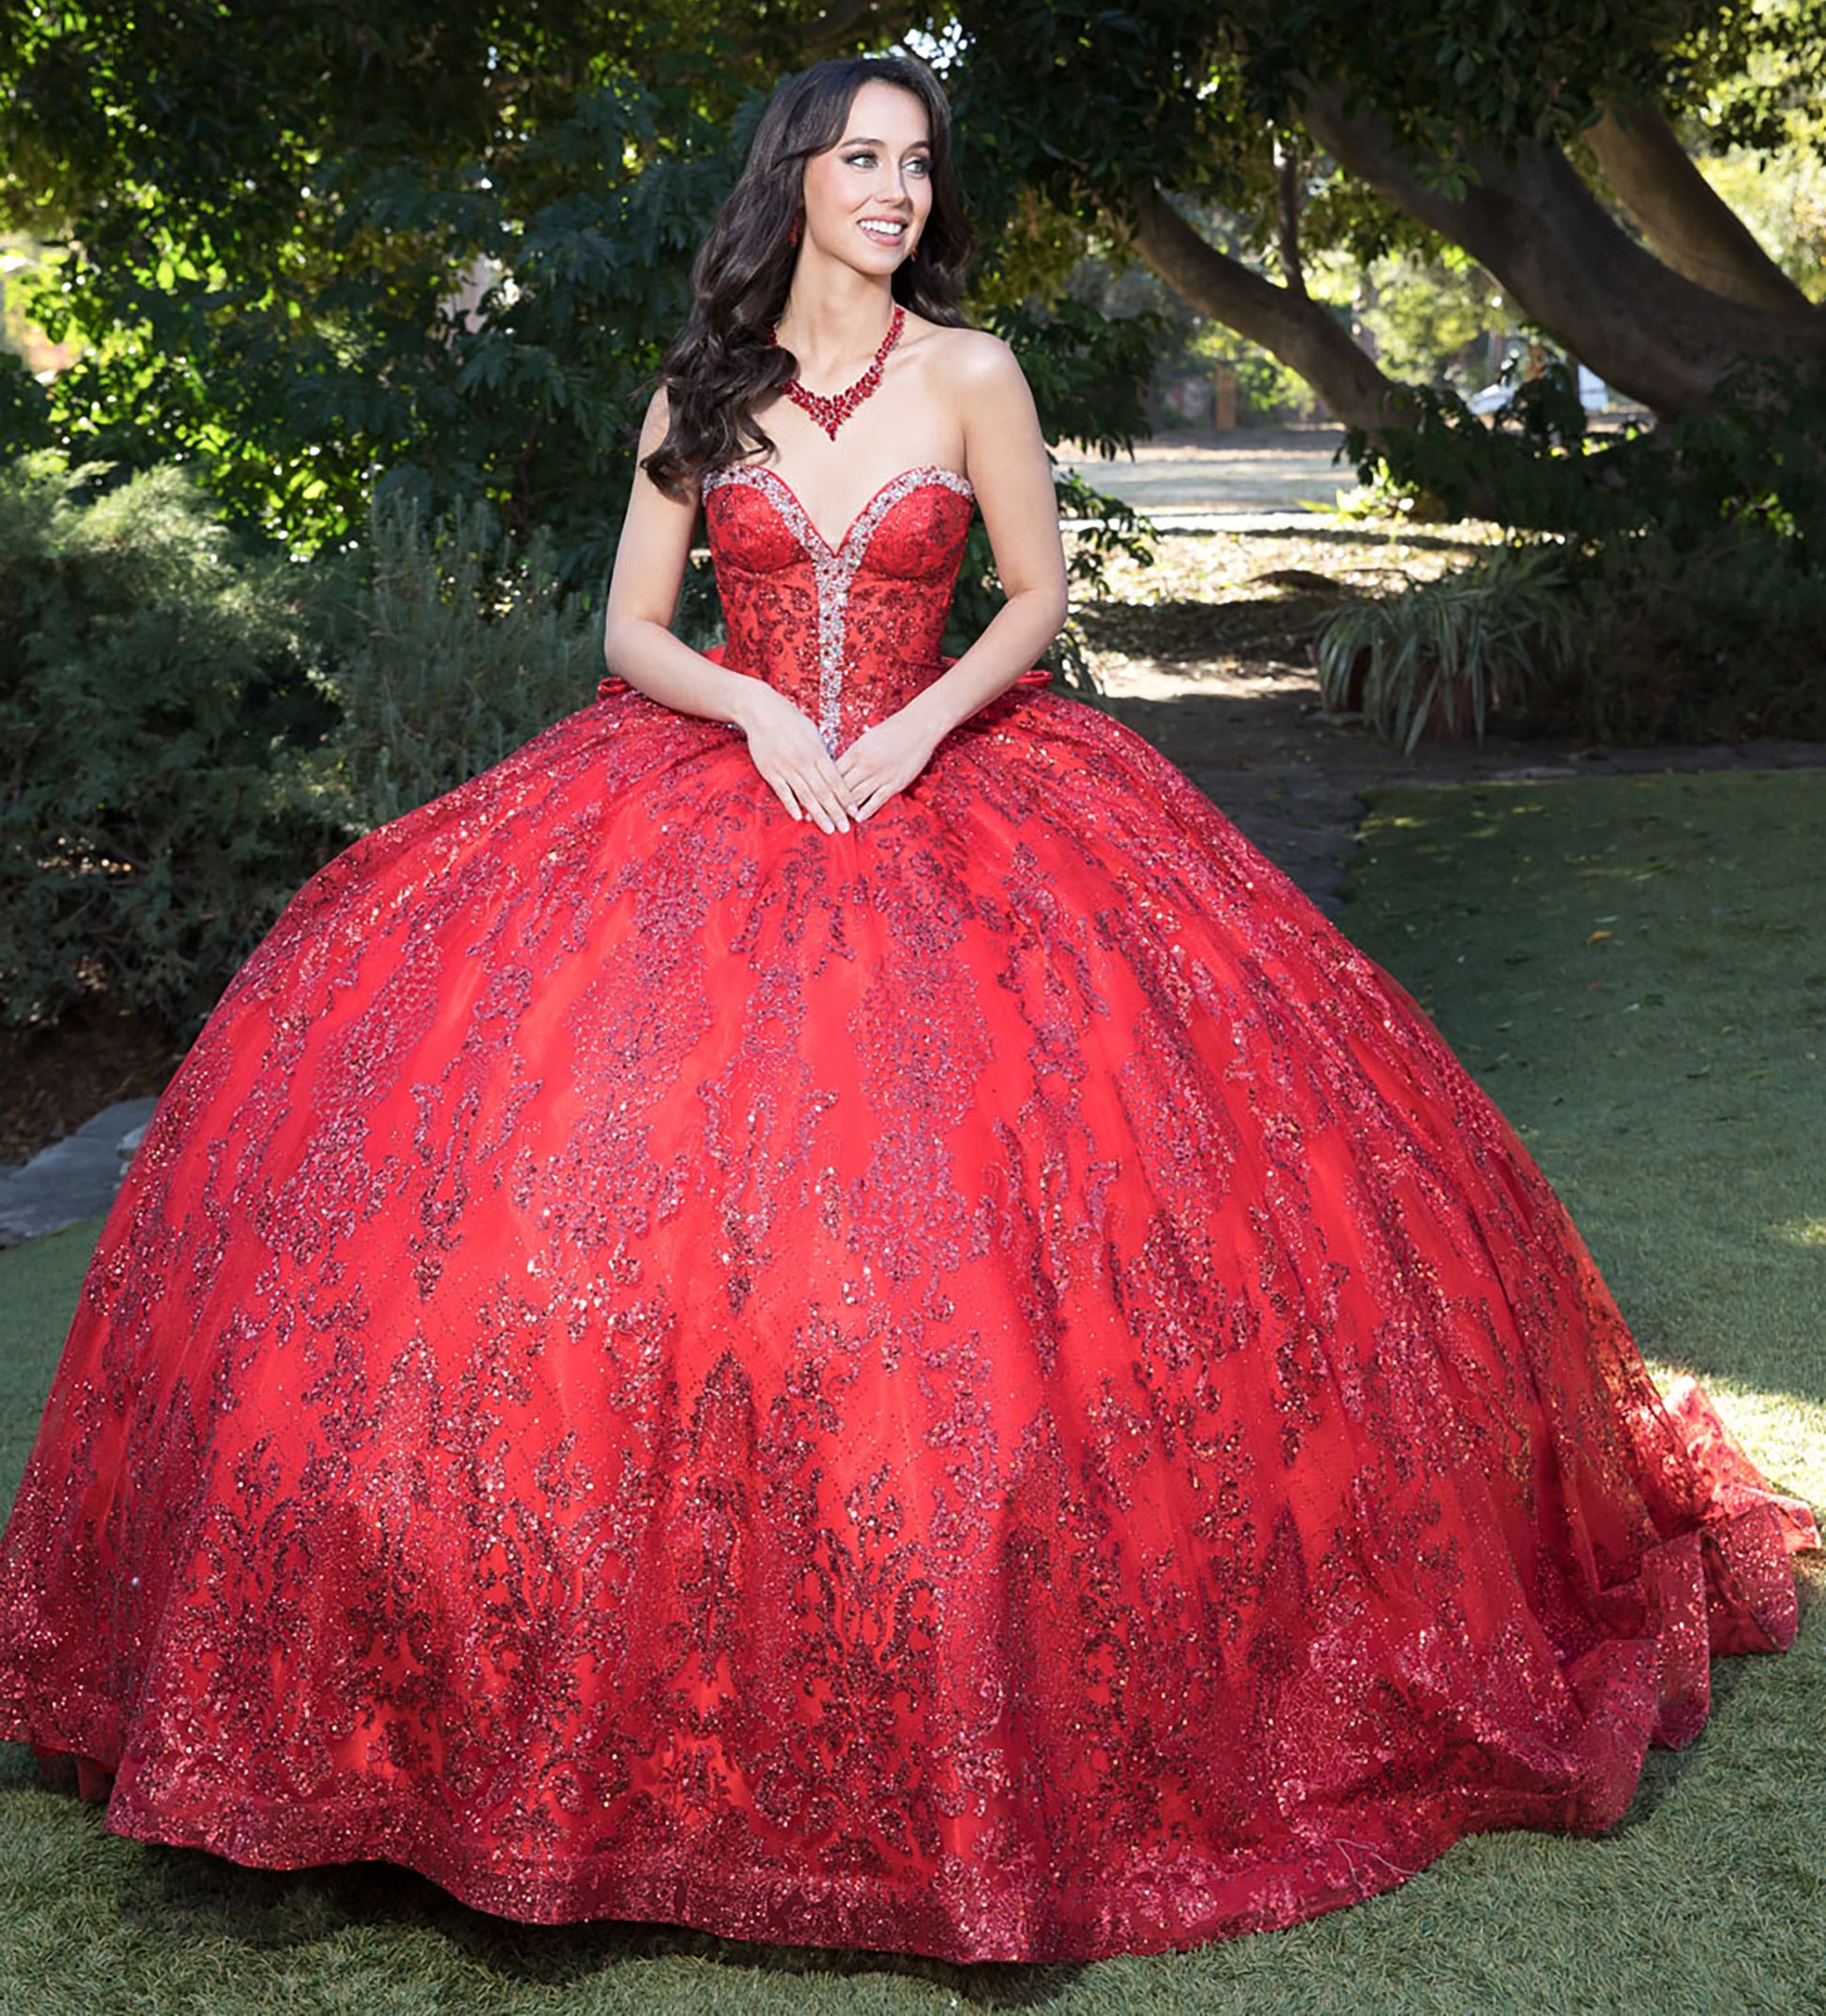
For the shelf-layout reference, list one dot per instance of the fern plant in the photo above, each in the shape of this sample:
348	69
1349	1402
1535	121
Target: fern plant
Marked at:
1450	653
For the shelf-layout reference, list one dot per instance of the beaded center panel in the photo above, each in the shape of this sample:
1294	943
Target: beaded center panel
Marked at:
835	568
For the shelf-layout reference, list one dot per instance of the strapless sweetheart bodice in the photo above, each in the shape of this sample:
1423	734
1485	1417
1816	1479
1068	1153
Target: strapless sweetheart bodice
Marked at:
850	632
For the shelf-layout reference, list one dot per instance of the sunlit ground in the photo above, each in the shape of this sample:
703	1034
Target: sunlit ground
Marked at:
1230	608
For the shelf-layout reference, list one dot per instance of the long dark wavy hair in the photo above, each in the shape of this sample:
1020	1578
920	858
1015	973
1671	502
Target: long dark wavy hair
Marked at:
726	363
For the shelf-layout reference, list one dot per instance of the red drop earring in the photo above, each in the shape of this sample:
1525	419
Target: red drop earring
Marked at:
791	232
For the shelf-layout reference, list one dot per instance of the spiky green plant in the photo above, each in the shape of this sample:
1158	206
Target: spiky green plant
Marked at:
1462	647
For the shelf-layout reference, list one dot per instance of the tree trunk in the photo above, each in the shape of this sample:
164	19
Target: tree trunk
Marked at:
1567	263
1286	189
1304	335
1687	223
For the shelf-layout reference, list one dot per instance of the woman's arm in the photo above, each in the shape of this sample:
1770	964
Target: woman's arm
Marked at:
1005	458
638	646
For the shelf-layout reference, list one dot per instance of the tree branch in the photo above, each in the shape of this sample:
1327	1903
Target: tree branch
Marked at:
1688	223
1571	266
1302	333
1287	179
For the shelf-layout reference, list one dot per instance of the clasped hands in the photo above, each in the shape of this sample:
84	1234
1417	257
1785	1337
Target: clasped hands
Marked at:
787	750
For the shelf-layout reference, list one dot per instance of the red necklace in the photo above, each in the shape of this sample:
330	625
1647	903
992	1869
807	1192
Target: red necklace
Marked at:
832	411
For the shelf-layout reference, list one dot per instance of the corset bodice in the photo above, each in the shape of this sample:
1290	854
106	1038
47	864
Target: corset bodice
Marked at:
850	632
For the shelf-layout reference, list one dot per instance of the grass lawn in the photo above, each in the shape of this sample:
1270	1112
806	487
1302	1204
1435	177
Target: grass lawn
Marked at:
1636	969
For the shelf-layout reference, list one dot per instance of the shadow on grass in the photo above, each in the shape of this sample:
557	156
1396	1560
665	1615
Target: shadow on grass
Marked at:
193	1896
1663	1770
1631	967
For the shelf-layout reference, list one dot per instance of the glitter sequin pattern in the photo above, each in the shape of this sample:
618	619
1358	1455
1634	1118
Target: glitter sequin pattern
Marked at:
877	630
982	1385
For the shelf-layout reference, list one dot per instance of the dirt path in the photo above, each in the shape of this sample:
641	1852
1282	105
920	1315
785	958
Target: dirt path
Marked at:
1255	469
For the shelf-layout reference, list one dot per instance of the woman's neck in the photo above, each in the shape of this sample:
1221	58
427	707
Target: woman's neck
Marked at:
833	315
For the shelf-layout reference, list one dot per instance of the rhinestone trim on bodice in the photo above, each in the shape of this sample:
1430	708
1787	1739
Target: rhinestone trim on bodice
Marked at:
835	568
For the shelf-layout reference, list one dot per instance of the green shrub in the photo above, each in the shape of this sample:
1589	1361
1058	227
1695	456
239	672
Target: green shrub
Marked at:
24	405
1446	655
151	675
1693	554
189	730
445	651
1718	642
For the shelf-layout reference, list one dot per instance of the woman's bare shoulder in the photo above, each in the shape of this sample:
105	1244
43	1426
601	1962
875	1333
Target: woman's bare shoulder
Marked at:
973	357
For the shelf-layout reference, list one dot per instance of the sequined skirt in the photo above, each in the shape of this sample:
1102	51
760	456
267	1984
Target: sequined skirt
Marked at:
984	1385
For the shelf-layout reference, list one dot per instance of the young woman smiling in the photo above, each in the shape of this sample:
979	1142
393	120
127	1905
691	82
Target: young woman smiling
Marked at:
820	1307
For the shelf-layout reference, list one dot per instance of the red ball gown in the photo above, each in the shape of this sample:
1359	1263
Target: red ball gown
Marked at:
984	1385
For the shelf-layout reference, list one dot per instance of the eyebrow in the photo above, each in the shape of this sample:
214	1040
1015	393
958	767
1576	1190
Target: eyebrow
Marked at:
868	140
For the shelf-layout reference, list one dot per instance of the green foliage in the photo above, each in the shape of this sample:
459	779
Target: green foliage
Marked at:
447	650
266	242
1087	370
1429	312
1446	72
295	391
1636	639
1446	655
439	262
262	238
1747	73
1102	528
1087	101
189	729
1756	457
1344	216
1695	553
1718	641
1526	466
1266	387
150	676
24	407
1082	100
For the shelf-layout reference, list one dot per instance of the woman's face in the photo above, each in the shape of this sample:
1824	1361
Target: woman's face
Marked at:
867	198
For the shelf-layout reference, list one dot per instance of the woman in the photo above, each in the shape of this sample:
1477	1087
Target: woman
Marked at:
820	1306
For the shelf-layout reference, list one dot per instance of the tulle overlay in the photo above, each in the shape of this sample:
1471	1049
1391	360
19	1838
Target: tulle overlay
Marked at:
984	1385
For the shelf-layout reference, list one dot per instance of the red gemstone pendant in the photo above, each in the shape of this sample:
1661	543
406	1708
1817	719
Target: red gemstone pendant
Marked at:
831	410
